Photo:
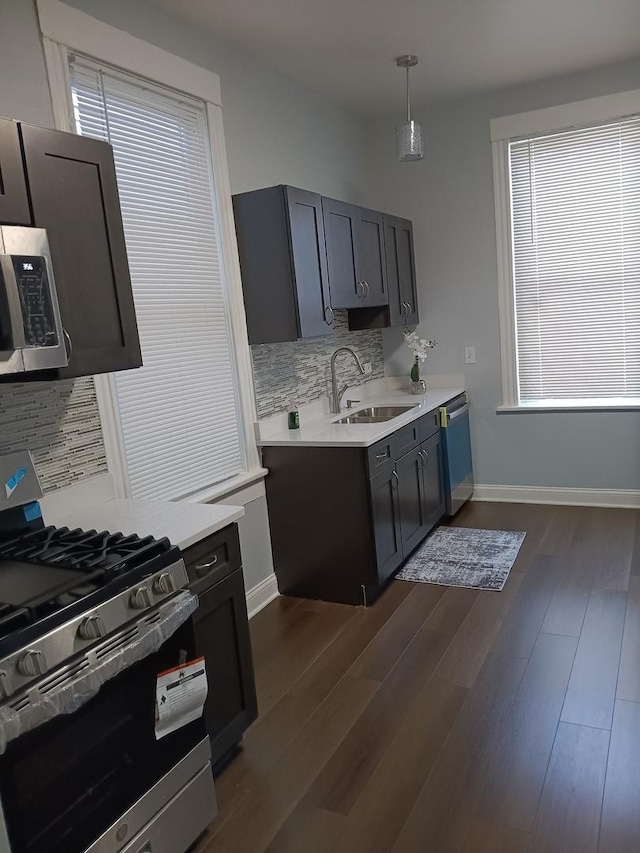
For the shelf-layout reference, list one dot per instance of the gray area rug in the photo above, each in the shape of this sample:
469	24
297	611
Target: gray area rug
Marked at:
464	556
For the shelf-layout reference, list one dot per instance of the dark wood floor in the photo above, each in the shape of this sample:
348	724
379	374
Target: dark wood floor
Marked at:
447	719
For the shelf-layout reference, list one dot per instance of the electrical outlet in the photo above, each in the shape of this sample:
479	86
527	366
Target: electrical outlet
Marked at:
368	368
469	355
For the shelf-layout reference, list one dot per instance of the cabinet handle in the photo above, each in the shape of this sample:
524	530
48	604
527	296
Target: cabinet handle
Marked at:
359	289
404	310
328	315
396	478
425	456
409	309
366	292
382	455
68	344
203	568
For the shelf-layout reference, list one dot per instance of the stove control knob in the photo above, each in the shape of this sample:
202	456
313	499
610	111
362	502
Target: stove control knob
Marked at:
164	584
91	628
141	598
32	663
5	685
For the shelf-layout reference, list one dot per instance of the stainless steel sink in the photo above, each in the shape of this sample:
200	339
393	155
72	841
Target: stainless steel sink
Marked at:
374	415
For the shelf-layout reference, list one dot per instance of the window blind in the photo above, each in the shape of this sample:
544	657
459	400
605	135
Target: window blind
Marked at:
178	412
575	212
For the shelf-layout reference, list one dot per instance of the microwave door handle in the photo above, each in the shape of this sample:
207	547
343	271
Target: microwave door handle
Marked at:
13	300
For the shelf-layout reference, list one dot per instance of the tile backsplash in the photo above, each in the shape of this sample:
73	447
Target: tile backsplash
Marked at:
298	372
60	423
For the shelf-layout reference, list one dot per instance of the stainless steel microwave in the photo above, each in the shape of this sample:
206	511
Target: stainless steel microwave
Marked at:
31	333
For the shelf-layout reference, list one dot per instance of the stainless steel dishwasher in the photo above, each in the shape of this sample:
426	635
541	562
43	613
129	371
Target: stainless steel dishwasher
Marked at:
456	447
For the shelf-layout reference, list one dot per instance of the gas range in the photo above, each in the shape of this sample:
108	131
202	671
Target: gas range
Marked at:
63	590
89	622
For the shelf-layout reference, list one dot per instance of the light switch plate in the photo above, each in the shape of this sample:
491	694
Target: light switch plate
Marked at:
469	355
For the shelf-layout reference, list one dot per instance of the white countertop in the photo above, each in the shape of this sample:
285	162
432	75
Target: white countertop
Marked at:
324	432
183	524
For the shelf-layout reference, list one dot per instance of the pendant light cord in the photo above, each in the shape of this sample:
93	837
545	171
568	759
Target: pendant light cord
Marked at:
408	98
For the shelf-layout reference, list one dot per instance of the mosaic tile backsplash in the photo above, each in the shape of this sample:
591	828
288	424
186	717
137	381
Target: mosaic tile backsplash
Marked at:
59	422
298	372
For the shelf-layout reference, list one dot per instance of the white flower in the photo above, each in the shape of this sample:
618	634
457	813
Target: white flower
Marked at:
419	346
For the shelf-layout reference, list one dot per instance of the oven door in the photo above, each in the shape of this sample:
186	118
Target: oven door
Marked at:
67	782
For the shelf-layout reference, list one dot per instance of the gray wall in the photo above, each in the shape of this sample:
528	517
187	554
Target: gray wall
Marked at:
449	195
276	131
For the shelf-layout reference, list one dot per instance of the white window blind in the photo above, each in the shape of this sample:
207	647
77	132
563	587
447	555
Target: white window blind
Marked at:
575	208
178	412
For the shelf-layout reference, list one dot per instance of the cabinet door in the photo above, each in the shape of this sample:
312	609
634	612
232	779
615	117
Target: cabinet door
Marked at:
340	231
385	514
14	203
371	263
434	500
401	271
222	637
74	195
412	499
309	259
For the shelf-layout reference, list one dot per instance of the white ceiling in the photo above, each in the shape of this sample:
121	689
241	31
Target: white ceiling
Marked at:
345	49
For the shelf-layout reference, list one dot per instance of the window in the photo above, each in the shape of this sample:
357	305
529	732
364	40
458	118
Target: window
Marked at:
571	225
178	413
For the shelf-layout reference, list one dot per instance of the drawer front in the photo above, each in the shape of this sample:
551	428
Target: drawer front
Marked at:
429	425
380	455
212	559
405	439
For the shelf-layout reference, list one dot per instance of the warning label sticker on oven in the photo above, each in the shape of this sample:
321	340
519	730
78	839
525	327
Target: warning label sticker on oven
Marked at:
180	696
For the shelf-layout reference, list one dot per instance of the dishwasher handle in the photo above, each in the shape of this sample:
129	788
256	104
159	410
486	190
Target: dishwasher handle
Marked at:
446	417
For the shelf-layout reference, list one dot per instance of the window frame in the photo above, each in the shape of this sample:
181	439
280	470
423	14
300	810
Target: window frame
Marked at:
503	130
66	30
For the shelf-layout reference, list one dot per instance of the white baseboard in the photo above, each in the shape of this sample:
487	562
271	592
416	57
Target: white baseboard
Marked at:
261	594
621	498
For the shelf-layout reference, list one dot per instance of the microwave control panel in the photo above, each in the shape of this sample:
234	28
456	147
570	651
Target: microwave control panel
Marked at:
38	316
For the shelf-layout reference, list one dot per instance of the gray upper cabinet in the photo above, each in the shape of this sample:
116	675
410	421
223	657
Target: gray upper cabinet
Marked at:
283	262
401	271
340	227
371	261
355	255
74	195
14	201
401	286
303	256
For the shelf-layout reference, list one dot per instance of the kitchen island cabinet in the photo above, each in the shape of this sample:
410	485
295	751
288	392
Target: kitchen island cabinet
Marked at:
343	519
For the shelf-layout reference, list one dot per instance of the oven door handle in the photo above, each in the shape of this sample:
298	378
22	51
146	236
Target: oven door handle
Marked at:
69	687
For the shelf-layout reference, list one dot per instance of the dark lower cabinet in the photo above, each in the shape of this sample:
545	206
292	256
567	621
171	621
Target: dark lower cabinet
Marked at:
433	474
385	518
414	524
222	637
343	519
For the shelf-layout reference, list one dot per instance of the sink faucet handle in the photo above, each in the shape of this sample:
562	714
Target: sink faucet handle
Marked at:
351	402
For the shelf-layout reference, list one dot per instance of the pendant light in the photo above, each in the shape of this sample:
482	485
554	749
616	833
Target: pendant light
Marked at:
409	142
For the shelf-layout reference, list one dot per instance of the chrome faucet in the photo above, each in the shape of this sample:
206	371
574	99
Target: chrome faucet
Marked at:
336	395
